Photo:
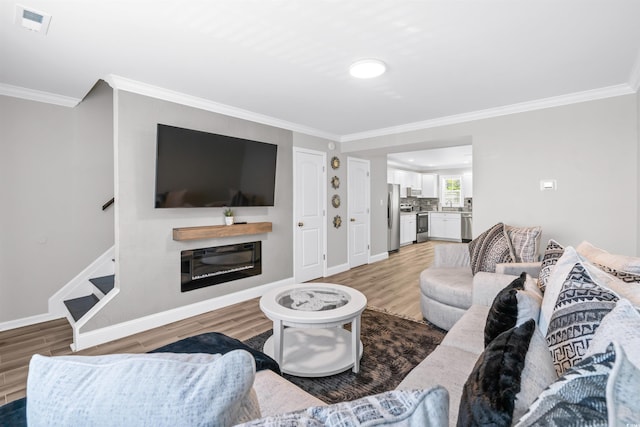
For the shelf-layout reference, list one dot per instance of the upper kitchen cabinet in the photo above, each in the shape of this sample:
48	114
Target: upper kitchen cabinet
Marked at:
406	179
467	184
430	185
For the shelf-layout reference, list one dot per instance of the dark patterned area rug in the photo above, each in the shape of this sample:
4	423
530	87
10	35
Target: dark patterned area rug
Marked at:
392	347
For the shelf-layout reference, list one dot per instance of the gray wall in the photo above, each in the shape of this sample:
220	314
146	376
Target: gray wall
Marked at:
590	148
56	170
148	259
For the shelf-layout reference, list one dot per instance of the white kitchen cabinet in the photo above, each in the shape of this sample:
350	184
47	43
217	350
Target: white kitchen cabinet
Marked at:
406	179
467	184
414	180
407	229
445	226
429	185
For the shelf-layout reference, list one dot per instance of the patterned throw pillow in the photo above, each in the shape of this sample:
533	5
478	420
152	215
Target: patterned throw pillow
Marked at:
622	275
579	309
601	390
399	407
488	249
488	396
551	255
524	242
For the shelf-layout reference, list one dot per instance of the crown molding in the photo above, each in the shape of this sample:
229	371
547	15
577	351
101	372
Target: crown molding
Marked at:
38	95
556	101
128	85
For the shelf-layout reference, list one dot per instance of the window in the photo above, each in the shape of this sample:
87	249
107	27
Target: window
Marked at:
451	191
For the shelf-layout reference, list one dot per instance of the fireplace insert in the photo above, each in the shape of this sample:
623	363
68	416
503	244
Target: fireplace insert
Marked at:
219	264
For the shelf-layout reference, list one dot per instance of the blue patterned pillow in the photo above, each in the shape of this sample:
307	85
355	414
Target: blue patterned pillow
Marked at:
424	408
601	390
579	309
161	389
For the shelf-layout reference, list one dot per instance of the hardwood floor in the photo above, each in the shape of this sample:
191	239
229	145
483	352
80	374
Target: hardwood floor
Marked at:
391	284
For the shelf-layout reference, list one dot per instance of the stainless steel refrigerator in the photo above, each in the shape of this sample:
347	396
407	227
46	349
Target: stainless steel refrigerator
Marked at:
393	217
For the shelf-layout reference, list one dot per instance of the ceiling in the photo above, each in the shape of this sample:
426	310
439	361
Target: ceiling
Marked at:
434	159
285	62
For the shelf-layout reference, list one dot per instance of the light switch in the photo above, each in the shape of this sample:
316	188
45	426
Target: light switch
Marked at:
548	184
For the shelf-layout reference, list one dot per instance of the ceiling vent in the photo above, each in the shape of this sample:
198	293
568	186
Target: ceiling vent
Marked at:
32	20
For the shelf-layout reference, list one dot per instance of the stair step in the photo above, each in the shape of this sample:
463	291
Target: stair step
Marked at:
78	307
104	283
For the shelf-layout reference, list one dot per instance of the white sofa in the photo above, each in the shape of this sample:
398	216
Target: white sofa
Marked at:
451	363
446	287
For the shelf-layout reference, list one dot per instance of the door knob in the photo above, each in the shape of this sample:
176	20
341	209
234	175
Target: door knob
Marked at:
353	220
300	224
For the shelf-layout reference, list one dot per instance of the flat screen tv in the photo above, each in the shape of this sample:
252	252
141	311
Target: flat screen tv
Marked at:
201	169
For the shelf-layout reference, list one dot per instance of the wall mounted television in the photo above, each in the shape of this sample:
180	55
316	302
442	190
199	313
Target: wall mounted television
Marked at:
200	169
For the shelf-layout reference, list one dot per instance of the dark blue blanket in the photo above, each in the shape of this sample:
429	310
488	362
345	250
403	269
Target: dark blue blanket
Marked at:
14	414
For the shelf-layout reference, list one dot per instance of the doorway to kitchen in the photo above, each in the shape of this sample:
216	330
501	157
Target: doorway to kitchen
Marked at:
437	184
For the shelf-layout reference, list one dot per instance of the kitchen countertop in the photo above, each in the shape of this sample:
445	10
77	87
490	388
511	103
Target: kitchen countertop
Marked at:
450	212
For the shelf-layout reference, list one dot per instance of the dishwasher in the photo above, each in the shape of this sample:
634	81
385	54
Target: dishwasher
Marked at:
465	223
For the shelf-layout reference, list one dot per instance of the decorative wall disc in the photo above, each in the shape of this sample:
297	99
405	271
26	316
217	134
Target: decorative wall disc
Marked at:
337	221
335	182
335	162
335	201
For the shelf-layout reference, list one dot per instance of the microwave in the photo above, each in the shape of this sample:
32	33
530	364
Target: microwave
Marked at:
414	192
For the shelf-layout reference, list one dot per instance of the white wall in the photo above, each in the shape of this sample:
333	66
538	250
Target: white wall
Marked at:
638	170
590	148
148	259
56	170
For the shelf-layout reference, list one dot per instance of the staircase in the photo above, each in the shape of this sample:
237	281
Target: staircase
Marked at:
80	306
86	294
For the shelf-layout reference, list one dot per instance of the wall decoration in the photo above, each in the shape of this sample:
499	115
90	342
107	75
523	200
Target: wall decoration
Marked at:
337	221
335	162
335	201
335	182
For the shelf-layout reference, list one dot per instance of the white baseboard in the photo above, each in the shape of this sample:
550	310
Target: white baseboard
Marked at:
28	321
100	336
337	269
378	257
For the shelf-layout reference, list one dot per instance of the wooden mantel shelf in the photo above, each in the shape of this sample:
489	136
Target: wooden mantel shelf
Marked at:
214	231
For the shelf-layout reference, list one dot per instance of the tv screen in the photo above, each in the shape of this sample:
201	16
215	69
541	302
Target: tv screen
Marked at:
201	169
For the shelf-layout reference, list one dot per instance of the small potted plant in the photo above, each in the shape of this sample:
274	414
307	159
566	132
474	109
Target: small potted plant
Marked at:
228	216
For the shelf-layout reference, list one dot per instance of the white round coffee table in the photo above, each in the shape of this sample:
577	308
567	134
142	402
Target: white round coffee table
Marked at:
308	338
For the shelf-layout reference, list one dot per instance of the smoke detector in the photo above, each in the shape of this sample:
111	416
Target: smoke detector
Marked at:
32	19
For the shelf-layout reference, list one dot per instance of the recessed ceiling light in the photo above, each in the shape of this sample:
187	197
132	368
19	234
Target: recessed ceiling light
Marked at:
367	68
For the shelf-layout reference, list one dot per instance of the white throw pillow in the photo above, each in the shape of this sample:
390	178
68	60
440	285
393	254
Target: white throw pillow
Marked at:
554	283
596	255
621	325
160	389
538	374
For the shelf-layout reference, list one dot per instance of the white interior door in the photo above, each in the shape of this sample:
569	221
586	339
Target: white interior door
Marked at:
358	197
309	206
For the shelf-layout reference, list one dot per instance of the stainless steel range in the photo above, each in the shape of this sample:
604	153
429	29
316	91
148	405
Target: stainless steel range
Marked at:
422	226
